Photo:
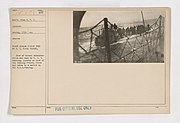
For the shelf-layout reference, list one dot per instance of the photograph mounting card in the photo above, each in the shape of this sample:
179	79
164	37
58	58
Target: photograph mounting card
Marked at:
90	60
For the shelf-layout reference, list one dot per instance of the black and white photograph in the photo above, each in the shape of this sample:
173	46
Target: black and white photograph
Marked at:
125	36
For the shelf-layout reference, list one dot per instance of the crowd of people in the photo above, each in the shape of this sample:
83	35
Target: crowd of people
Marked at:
116	33
132	30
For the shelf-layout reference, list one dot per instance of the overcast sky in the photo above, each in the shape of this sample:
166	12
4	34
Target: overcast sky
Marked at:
91	18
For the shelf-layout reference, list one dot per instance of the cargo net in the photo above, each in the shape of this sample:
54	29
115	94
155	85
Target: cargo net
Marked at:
144	44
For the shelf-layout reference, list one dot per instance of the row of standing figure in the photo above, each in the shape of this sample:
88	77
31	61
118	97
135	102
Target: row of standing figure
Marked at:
115	33
132	30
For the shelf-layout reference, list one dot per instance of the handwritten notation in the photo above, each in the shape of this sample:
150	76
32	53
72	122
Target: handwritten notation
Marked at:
30	12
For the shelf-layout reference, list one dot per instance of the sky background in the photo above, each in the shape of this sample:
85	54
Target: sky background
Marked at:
91	18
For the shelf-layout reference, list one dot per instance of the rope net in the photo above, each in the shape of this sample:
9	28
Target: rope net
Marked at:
144	44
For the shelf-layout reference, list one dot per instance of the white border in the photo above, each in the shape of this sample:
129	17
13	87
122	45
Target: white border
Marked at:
5	117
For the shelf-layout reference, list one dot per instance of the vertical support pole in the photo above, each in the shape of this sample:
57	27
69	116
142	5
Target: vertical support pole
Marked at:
159	35
160	18
107	44
143	18
91	40
161	42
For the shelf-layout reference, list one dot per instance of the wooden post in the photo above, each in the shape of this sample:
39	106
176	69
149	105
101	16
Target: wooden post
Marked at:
107	44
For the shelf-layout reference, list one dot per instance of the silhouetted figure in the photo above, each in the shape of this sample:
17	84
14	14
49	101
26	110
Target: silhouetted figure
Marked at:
120	32
115	26
127	31
134	30
131	31
123	32
140	29
148	27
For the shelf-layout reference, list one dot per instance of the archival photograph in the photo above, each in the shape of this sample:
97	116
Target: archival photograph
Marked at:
118	36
